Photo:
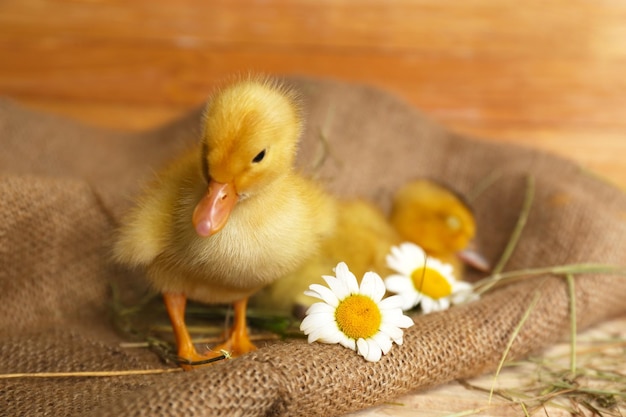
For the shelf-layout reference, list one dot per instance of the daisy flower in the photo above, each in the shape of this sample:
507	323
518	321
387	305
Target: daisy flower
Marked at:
355	316
424	280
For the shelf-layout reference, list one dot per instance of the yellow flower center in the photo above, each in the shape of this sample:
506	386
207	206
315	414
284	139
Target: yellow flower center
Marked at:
358	316
431	283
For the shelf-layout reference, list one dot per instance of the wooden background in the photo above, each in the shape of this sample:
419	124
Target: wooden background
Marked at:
547	74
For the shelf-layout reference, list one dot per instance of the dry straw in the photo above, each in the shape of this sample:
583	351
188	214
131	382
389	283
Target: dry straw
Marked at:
555	383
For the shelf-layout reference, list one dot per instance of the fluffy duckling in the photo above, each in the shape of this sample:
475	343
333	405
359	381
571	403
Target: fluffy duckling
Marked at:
423	212
362	237
437	219
232	215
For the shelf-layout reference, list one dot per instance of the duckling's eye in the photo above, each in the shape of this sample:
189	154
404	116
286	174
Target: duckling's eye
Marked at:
259	157
453	222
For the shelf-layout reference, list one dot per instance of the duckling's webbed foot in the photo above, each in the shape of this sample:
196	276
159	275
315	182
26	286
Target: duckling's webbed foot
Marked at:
175	304
238	342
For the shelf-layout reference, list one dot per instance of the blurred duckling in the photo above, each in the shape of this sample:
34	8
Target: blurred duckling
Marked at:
440	221
362	237
423	212
232	215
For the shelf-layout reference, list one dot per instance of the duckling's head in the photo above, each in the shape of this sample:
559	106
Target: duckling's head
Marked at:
433	216
249	140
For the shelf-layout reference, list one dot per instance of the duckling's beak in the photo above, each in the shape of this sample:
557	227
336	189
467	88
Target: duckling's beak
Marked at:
211	213
471	257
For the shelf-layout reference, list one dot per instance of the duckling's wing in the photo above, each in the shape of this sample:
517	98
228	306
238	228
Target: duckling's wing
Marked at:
147	229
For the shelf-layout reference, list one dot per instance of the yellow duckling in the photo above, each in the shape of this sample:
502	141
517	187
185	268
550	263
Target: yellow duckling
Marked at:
437	219
232	215
362	238
423	212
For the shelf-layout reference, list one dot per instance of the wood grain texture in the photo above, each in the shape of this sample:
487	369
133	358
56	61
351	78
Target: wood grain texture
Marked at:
544	74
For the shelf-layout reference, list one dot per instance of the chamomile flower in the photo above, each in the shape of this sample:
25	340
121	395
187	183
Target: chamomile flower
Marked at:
356	317
424	280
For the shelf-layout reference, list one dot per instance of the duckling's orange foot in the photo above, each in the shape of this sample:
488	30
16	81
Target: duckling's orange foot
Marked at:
236	345
193	360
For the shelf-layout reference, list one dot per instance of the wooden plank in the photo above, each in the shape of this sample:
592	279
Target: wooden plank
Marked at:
534	91
470	27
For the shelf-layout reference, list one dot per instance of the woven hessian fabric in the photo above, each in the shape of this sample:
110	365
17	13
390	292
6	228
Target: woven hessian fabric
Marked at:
63	186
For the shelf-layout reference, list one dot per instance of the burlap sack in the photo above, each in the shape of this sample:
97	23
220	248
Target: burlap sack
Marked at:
64	185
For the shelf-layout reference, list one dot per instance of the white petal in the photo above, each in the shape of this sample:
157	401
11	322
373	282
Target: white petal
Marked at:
413	255
312	337
332	338
449	270
392	331
348	343
391	314
403	287
337	286
399	261
325	335
383	341
343	273
323	293
395	264
391	303
438	305
428	305
399	284
362	347
417	299
373	286
312	322
369	350
404	322
461	286
317	308
375	352
315	334
405	258
412	249
400	322
410	300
